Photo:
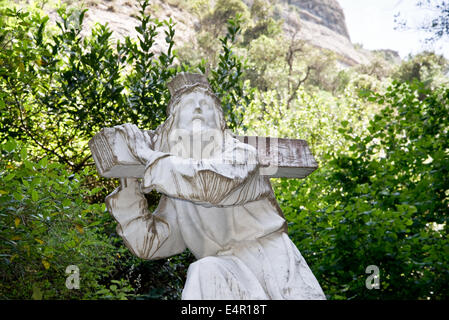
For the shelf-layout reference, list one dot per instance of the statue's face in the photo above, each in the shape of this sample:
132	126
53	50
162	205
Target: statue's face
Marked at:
196	109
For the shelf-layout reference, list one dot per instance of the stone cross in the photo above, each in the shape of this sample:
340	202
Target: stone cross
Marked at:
288	158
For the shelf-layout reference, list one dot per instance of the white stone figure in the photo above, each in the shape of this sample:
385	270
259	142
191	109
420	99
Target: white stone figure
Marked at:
214	202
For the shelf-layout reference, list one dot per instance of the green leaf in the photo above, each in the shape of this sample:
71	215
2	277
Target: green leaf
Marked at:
10	145
43	162
34	196
23	153
9	177
46	264
37	293
66	203
17	196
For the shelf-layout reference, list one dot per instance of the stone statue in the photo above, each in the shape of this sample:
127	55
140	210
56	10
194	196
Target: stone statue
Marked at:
214	202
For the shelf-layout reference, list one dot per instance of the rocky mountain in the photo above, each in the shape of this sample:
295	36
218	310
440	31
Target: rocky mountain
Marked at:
327	13
320	22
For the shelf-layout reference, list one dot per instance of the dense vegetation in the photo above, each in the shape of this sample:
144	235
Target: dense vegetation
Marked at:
380	133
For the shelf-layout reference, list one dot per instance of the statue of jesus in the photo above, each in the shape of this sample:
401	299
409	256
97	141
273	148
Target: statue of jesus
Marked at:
214	202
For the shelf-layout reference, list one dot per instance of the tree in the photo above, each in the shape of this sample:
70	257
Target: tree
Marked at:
438	24
426	67
224	10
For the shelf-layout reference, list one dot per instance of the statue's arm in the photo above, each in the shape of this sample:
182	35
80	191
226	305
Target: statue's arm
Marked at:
207	181
148	235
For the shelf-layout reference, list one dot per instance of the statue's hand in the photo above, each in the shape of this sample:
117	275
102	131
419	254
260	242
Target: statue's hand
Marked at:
138	141
130	184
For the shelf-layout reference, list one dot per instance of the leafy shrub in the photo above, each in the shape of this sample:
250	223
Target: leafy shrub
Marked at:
313	116
216	21
383	202
426	67
46	226
57	89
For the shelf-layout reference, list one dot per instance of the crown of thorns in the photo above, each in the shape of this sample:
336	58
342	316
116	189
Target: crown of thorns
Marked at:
184	83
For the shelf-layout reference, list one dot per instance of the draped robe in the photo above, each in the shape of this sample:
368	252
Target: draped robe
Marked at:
226	214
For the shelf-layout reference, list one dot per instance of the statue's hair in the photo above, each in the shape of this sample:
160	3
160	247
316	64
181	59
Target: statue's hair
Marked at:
162	132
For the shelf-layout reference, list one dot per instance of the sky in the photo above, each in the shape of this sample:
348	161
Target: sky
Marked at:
371	23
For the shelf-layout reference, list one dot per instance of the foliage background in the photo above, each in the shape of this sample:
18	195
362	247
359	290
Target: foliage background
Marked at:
379	132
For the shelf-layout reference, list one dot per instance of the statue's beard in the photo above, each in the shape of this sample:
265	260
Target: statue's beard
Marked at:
201	144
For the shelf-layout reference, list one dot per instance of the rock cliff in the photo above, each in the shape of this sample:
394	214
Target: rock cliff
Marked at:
321	22
327	13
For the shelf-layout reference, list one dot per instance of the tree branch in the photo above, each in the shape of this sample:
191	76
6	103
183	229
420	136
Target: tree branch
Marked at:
297	85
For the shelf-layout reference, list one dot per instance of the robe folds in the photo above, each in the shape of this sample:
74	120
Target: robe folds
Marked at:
226	214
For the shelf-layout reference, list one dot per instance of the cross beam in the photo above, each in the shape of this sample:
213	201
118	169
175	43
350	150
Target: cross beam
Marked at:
289	158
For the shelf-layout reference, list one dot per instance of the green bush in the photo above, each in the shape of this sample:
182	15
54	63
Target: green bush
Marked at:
426	67
46	226
58	89
383	201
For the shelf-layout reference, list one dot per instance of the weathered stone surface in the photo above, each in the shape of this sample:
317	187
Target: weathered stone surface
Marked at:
289	158
214	201
325	12
112	155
